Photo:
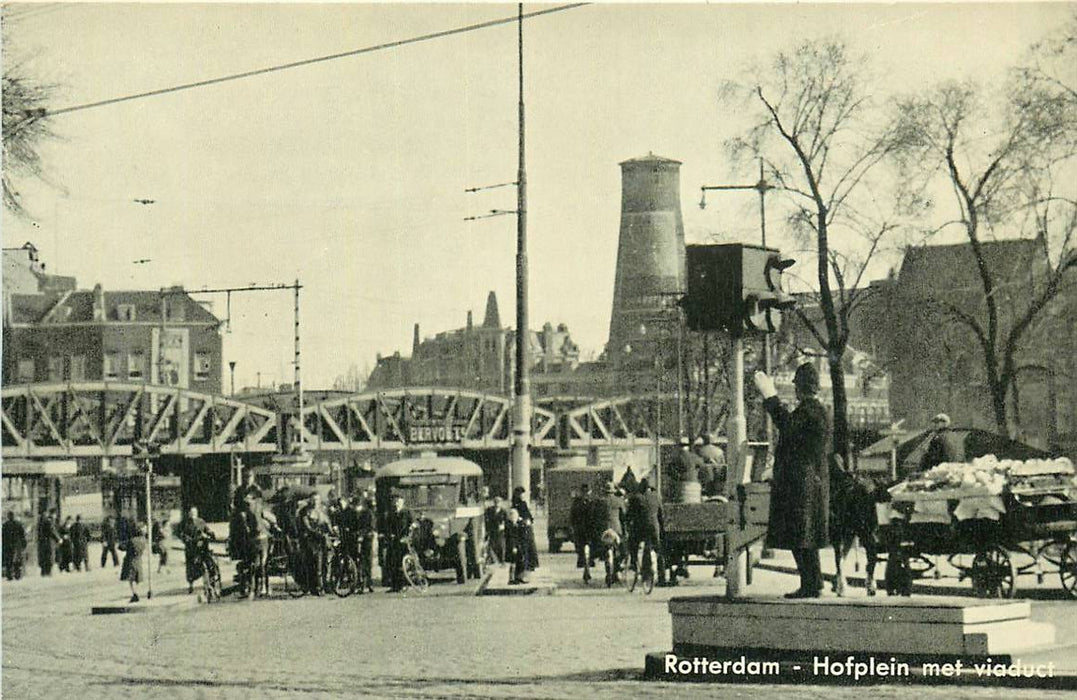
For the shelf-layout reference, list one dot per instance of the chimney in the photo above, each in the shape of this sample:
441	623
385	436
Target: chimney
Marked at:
469	319
415	341
492	319
98	303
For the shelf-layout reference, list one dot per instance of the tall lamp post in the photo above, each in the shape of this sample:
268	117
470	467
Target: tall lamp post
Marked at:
521	424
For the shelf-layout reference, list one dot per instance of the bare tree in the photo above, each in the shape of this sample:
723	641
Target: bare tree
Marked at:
814	131
352	380
25	126
1007	161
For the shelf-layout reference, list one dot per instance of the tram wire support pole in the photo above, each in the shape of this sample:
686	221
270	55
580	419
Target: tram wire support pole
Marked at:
520	469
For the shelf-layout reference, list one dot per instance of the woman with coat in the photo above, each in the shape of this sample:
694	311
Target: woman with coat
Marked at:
132	560
527	527
800	492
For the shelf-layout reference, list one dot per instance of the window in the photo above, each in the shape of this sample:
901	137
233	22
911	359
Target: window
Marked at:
78	367
202	365
56	368
125	312
25	370
112	365
136	365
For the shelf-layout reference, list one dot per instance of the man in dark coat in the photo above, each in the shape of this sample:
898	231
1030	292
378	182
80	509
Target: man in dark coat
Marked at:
494	525
80	544
367	534
108	542
398	528
13	541
527	526
610	513
647	522
944	445
799	497
314	531
578	521
47	539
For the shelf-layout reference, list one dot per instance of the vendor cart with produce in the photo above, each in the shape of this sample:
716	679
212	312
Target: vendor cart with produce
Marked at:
993	519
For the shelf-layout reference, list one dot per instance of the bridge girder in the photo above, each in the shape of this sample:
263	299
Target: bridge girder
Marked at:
407	418
104	419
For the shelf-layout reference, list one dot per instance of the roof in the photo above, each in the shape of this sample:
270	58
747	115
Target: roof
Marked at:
650	158
78	307
429	465
953	267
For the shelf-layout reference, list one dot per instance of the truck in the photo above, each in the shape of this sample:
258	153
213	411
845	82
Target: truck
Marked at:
562	482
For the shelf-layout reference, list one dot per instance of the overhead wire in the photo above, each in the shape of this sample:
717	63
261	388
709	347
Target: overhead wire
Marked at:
311	61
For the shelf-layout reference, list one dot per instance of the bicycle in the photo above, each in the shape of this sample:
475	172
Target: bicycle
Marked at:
343	571
211	573
615	559
646	571
412	567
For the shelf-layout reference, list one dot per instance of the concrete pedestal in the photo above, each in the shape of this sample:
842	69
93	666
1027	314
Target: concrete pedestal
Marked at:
865	640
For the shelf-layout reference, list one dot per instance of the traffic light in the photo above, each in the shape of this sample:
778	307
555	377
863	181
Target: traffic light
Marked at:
736	288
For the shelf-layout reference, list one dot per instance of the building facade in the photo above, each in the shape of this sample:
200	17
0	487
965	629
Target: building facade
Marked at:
57	333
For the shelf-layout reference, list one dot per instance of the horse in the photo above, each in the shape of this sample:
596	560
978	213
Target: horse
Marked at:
852	518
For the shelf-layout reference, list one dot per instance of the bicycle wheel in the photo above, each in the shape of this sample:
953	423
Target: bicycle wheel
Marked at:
211	580
627	578
414	573
345	576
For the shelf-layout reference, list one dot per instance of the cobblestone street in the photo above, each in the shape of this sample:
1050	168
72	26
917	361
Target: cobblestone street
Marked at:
580	642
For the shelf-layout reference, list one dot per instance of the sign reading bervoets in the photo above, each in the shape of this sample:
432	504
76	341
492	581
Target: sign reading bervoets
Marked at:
436	431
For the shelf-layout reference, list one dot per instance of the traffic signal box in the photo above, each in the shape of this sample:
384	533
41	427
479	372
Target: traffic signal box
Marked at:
735	288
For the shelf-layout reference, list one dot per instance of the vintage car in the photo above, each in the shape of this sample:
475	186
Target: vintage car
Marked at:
444	496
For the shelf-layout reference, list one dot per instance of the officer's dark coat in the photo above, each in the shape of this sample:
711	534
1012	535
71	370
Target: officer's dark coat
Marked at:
47	539
800	493
645	514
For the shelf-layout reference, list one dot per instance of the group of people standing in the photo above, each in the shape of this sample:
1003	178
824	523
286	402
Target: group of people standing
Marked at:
63	544
617	521
510	534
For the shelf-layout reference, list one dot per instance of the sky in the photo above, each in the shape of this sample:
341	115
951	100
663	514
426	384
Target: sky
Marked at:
349	175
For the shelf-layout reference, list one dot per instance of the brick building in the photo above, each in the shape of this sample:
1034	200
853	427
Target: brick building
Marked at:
57	333
480	358
936	361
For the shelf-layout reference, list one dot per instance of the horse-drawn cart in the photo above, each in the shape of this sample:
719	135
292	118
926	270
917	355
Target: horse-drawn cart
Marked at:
993	520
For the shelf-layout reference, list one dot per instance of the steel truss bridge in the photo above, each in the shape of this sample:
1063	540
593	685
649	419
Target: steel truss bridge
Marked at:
104	419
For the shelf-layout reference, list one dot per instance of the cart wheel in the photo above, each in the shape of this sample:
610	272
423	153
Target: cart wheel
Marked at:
1067	568
993	574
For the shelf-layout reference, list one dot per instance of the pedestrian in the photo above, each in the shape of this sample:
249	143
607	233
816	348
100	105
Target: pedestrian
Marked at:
195	533
65	551
516	547
314	531
494	524
578	522
80	544
247	488
527	527
398	529
13	544
134	550
944	445
799	498
47	540
108	542
158	544
367	534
